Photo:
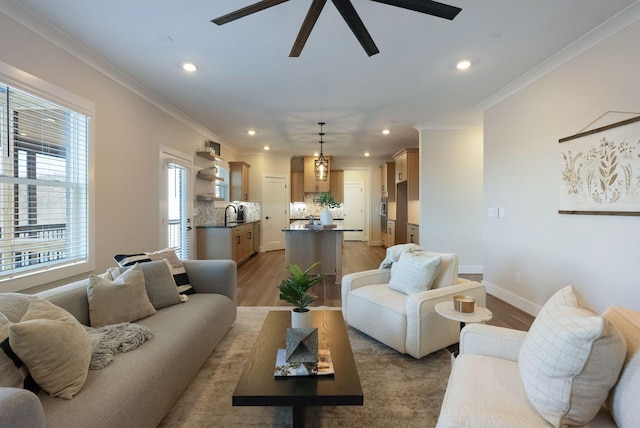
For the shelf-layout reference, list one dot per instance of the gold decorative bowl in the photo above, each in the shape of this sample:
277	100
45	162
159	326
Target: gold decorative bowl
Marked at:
465	304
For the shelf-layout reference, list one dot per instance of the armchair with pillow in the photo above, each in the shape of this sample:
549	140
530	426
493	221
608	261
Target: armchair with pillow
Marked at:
573	368
395	304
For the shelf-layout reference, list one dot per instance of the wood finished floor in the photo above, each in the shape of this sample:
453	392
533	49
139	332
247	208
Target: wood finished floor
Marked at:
259	277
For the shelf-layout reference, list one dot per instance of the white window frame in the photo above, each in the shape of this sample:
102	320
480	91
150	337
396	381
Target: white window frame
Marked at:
35	86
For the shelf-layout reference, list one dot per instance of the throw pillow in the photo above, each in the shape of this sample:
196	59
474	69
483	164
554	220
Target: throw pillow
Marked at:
570	359
414	272
121	300
176	267
54	346
159	283
125	260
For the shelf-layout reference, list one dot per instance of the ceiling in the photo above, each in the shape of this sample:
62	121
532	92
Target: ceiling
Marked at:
246	80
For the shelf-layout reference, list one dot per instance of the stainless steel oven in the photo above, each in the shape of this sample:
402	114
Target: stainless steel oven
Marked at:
383	215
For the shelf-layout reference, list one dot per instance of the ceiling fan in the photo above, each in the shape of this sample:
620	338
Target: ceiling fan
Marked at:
348	13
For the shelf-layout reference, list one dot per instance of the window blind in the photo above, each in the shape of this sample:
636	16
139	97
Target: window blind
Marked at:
177	217
44	218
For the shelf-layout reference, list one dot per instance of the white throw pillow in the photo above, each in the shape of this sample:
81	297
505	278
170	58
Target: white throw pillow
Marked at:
414	272
121	300
570	359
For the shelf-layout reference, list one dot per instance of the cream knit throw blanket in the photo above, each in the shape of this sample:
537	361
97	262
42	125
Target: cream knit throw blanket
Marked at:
109	340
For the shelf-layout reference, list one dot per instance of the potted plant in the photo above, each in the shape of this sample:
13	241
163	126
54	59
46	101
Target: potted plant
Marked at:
326	201
295	289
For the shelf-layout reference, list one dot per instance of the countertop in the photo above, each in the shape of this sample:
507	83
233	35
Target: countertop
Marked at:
299	226
229	225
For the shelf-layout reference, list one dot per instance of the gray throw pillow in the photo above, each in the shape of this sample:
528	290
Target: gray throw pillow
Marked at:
121	300
159	283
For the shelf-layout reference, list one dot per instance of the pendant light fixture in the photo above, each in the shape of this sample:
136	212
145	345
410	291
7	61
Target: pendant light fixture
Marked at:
321	165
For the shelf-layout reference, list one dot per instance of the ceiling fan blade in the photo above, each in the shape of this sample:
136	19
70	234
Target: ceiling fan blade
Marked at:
307	26
354	22
434	8
253	8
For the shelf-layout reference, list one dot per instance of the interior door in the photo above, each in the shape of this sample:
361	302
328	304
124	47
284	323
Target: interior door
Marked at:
354	210
275	202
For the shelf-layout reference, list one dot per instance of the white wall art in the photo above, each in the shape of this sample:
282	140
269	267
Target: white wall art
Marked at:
601	170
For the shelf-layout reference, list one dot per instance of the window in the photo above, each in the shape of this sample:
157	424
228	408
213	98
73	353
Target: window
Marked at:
221	187
177	211
44	190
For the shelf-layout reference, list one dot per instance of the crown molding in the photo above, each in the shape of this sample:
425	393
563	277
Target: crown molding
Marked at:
603	31
43	28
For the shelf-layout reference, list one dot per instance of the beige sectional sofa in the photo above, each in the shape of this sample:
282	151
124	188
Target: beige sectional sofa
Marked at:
138	387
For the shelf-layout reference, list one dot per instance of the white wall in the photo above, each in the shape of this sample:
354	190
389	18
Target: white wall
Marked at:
599	255
451	194
128	130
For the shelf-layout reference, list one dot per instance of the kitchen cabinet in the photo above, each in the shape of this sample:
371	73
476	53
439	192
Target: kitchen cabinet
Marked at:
387	180
391	233
239	181
310	183
337	185
407	169
413	234
297	186
236	243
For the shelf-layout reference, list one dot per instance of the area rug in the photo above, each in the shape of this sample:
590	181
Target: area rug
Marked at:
399	391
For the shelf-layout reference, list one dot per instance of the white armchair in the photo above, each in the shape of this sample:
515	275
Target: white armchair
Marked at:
406	323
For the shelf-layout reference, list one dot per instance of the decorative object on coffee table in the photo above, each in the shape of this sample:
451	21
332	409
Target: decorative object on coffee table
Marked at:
302	345
295	289
464	304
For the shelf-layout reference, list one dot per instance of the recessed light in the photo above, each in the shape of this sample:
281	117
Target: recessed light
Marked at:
266	148
316	154
187	66
386	131
251	132
367	154
463	65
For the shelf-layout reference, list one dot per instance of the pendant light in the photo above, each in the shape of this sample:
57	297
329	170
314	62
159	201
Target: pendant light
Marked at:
321	165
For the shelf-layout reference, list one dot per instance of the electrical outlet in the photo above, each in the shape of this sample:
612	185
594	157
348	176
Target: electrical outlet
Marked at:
518	278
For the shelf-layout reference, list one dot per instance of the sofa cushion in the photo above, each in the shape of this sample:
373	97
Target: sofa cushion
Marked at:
159	283
54	346
570	359
121	300
13	371
486	392
625	395
414	272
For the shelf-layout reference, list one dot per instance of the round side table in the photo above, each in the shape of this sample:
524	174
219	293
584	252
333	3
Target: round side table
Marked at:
479	314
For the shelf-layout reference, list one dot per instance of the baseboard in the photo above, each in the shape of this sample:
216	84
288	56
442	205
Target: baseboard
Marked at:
470	270
512	299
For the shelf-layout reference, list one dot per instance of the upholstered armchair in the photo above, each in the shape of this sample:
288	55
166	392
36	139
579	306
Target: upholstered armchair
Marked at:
386	304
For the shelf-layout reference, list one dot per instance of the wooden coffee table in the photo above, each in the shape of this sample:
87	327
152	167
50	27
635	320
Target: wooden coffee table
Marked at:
258	386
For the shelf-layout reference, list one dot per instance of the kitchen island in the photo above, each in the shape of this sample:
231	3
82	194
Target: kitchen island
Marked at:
305	246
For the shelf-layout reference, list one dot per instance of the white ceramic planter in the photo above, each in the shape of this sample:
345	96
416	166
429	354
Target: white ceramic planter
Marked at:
326	217
301	319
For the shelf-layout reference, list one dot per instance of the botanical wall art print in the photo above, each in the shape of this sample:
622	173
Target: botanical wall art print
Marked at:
601	170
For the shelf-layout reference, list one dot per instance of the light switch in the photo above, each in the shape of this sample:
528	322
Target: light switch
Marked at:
492	212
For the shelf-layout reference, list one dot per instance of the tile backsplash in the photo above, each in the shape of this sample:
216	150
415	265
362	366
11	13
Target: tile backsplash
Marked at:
300	210
213	213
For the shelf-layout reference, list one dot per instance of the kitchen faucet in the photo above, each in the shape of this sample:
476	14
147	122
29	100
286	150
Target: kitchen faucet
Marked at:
225	212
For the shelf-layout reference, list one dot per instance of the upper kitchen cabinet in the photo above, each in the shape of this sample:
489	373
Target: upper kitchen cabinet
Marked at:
297	186
311	185
239	181
387	178
337	184
407	169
